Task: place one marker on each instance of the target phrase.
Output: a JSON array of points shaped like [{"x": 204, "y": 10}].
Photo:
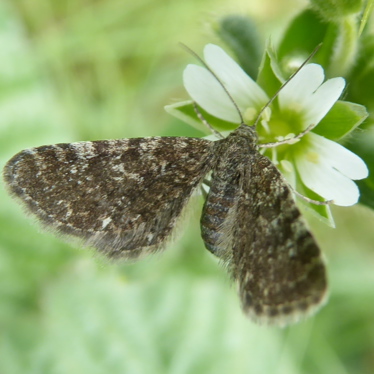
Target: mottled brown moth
[{"x": 125, "y": 196}]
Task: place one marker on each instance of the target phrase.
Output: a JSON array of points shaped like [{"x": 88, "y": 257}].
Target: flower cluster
[{"x": 315, "y": 162}]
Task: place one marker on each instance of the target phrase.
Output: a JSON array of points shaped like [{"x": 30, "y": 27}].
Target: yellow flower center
[
  {"x": 276, "y": 126},
  {"x": 312, "y": 157},
  {"x": 250, "y": 115}
]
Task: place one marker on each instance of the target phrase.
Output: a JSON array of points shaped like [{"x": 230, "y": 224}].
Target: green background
[{"x": 85, "y": 70}]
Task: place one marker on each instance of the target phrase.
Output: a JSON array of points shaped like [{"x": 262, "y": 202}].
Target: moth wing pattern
[
  {"x": 250, "y": 221},
  {"x": 121, "y": 196},
  {"x": 275, "y": 259}
]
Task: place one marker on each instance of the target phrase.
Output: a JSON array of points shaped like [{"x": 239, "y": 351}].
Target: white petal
[
  {"x": 327, "y": 182},
  {"x": 338, "y": 157},
  {"x": 322, "y": 100},
  {"x": 208, "y": 93},
  {"x": 246, "y": 92},
  {"x": 298, "y": 90}
]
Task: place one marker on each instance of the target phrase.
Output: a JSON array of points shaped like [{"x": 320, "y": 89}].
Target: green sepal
[
  {"x": 185, "y": 111},
  {"x": 269, "y": 76},
  {"x": 291, "y": 175},
  {"x": 342, "y": 118},
  {"x": 241, "y": 35},
  {"x": 322, "y": 212}
]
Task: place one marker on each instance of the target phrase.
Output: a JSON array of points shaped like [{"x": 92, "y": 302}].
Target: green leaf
[
  {"x": 336, "y": 9},
  {"x": 305, "y": 32},
  {"x": 339, "y": 43},
  {"x": 240, "y": 34},
  {"x": 361, "y": 80},
  {"x": 362, "y": 145},
  {"x": 342, "y": 118},
  {"x": 185, "y": 111}
]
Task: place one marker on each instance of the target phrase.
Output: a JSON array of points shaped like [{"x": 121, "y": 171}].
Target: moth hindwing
[{"x": 251, "y": 222}]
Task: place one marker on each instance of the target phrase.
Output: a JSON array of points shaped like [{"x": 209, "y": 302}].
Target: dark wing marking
[
  {"x": 121, "y": 196},
  {"x": 275, "y": 259}
]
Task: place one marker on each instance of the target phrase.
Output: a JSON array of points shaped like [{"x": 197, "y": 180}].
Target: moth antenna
[
  {"x": 205, "y": 122},
  {"x": 309, "y": 200},
  {"x": 285, "y": 83},
  {"x": 193, "y": 53}
]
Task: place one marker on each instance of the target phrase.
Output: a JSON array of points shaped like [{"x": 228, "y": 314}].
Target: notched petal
[
  {"x": 203, "y": 88},
  {"x": 299, "y": 89},
  {"x": 338, "y": 157},
  {"x": 245, "y": 91},
  {"x": 323, "y": 99},
  {"x": 327, "y": 182}
]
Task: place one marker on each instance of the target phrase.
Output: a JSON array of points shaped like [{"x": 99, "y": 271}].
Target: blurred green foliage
[{"x": 84, "y": 69}]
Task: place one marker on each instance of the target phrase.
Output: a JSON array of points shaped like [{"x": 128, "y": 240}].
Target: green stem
[
  {"x": 345, "y": 47},
  {"x": 365, "y": 16}
]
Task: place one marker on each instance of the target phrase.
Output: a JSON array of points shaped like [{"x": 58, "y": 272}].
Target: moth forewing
[{"x": 123, "y": 197}]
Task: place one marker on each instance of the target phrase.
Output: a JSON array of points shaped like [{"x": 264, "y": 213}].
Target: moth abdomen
[{"x": 218, "y": 208}]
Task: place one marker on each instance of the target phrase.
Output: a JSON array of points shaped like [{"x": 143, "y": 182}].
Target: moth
[{"x": 124, "y": 197}]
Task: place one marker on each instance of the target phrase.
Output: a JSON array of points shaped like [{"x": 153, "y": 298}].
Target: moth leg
[
  {"x": 312, "y": 201},
  {"x": 292, "y": 140},
  {"x": 206, "y": 123}
]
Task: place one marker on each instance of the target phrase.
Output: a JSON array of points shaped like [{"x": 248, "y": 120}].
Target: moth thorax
[{"x": 247, "y": 132}]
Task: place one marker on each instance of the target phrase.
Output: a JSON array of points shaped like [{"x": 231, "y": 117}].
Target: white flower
[{"x": 324, "y": 166}]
